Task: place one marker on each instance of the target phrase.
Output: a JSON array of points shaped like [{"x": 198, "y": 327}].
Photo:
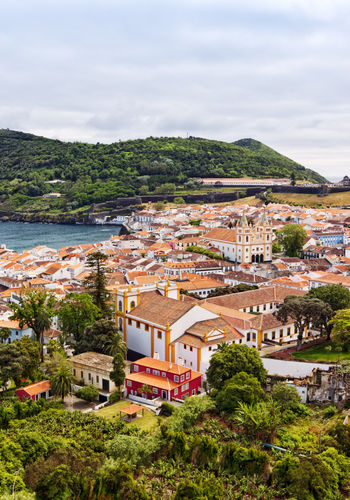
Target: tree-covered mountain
[{"x": 101, "y": 172}]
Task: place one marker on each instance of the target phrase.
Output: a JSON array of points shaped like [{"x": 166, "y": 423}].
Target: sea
[{"x": 21, "y": 236}]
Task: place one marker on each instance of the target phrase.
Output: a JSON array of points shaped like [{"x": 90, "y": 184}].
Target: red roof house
[
  {"x": 152, "y": 378},
  {"x": 35, "y": 391}
]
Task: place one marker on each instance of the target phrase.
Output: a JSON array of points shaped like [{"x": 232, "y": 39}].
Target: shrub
[
  {"x": 285, "y": 395},
  {"x": 204, "y": 450},
  {"x": 238, "y": 459},
  {"x": 88, "y": 393},
  {"x": 167, "y": 409},
  {"x": 114, "y": 397},
  {"x": 179, "y": 200}
]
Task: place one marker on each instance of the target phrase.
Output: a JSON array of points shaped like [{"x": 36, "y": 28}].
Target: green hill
[{"x": 101, "y": 172}]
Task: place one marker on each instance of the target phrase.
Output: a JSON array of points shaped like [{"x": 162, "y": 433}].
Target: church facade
[{"x": 245, "y": 243}]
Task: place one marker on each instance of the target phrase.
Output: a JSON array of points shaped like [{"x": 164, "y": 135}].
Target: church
[{"x": 245, "y": 243}]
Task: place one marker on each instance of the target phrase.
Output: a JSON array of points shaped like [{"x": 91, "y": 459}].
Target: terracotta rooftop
[{"x": 161, "y": 310}]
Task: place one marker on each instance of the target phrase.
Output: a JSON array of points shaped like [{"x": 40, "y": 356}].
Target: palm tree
[
  {"x": 62, "y": 378},
  {"x": 116, "y": 345}
]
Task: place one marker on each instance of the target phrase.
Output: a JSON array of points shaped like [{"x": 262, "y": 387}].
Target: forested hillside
[{"x": 100, "y": 172}]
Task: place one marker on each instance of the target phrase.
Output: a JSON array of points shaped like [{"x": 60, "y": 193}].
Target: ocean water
[{"x": 24, "y": 236}]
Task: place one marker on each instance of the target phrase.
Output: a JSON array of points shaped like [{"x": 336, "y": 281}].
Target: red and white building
[
  {"x": 35, "y": 391},
  {"x": 152, "y": 378}
]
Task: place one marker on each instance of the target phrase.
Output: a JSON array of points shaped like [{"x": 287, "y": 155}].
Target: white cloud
[{"x": 101, "y": 70}]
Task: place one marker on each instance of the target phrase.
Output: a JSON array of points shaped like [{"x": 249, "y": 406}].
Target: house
[
  {"x": 16, "y": 331},
  {"x": 92, "y": 368},
  {"x": 35, "y": 391},
  {"x": 152, "y": 378}
]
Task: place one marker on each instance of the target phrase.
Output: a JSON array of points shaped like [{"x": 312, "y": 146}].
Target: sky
[{"x": 107, "y": 70}]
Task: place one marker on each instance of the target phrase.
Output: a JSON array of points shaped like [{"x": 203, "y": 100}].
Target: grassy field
[
  {"x": 320, "y": 353},
  {"x": 146, "y": 423},
  {"x": 311, "y": 200}
]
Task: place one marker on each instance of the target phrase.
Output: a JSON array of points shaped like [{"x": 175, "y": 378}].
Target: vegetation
[
  {"x": 88, "y": 393},
  {"x": 96, "y": 282},
  {"x": 205, "y": 251},
  {"x": 304, "y": 311},
  {"x": 292, "y": 238},
  {"x": 98, "y": 337},
  {"x": 35, "y": 310},
  {"x": 341, "y": 329},
  {"x": 76, "y": 313},
  {"x": 312, "y": 200},
  {"x": 94, "y": 173},
  {"x": 231, "y": 359}
]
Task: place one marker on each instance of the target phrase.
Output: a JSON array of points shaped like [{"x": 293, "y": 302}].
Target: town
[{"x": 141, "y": 325}]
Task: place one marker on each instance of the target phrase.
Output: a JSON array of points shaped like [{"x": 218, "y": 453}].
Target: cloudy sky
[{"x": 104, "y": 70}]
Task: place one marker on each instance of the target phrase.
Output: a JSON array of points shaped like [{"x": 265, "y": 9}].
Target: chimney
[{"x": 156, "y": 355}]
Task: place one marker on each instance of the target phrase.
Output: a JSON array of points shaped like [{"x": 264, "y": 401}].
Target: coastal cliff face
[{"x": 42, "y": 217}]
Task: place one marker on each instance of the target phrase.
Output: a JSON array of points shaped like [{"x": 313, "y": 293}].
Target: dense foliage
[{"x": 94, "y": 173}]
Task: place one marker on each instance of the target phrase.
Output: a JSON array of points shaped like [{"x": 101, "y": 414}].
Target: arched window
[
  {"x": 120, "y": 325},
  {"x": 132, "y": 304},
  {"x": 120, "y": 306}
]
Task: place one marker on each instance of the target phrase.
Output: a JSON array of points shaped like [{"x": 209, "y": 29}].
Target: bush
[
  {"x": 238, "y": 459},
  {"x": 241, "y": 387},
  {"x": 179, "y": 200},
  {"x": 286, "y": 396},
  {"x": 88, "y": 393},
  {"x": 114, "y": 397},
  {"x": 167, "y": 409}
]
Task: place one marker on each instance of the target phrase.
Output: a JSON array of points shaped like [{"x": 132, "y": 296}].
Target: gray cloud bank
[{"x": 103, "y": 70}]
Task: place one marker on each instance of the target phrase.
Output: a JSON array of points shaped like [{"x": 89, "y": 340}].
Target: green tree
[
  {"x": 99, "y": 337},
  {"x": 61, "y": 377},
  {"x": 286, "y": 396},
  {"x": 77, "y": 312},
  {"x": 96, "y": 282},
  {"x": 36, "y": 310},
  {"x": 336, "y": 296},
  {"x": 276, "y": 247},
  {"x": 88, "y": 393},
  {"x": 304, "y": 311},
  {"x": 231, "y": 359},
  {"x": 54, "y": 346},
  {"x": 179, "y": 200},
  {"x": 292, "y": 237},
  {"x": 5, "y": 334},
  {"x": 115, "y": 480},
  {"x": 341, "y": 329},
  {"x": 12, "y": 363},
  {"x": 30, "y": 348},
  {"x": 241, "y": 387}
]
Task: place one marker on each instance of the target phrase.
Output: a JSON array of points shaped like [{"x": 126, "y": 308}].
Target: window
[
  {"x": 136, "y": 368},
  {"x": 74, "y": 372},
  {"x": 146, "y": 328},
  {"x": 288, "y": 330},
  {"x": 132, "y": 304},
  {"x": 281, "y": 333},
  {"x": 191, "y": 348},
  {"x": 129, "y": 321},
  {"x": 209, "y": 348},
  {"x": 137, "y": 324},
  {"x": 193, "y": 392},
  {"x": 156, "y": 372},
  {"x": 120, "y": 305},
  {"x": 240, "y": 341},
  {"x": 82, "y": 374},
  {"x": 89, "y": 376},
  {"x": 184, "y": 387},
  {"x": 273, "y": 336},
  {"x": 251, "y": 309},
  {"x": 128, "y": 383},
  {"x": 182, "y": 378},
  {"x": 97, "y": 378},
  {"x": 148, "y": 370},
  {"x": 163, "y": 374},
  {"x": 159, "y": 334},
  {"x": 188, "y": 374},
  {"x": 265, "y": 336},
  {"x": 175, "y": 392},
  {"x": 247, "y": 239},
  {"x": 264, "y": 307},
  {"x": 176, "y": 378},
  {"x": 248, "y": 337},
  {"x": 271, "y": 306},
  {"x": 185, "y": 346},
  {"x": 155, "y": 390},
  {"x": 254, "y": 336}
]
